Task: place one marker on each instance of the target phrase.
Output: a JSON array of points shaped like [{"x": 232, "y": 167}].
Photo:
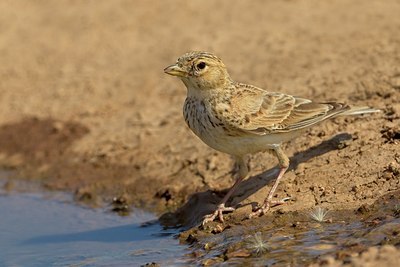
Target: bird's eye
[{"x": 201, "y": 65}]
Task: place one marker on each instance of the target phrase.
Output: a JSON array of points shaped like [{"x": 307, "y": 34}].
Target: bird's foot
[
  {"x": 217, "y": 213},
  {"x": 267, "y": 206}
]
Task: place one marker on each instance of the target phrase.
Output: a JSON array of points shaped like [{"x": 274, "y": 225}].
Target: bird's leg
[
  {"x": 284, "y": 165},
  {"x": 243, "y": 171}
]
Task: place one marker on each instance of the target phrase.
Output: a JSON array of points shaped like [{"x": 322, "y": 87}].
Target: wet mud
[{"x": 341, "y": 237}]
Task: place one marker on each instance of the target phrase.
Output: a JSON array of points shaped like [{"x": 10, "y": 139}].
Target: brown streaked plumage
[{"x": 241, "y": 119}]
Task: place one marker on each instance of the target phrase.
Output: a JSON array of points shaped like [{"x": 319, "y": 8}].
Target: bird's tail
[{"x": 359, "y": 111}]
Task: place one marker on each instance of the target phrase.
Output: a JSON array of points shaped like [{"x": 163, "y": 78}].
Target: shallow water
[
  {"x": 49, "y": 229},
  {"x": 38, "y": 230}
]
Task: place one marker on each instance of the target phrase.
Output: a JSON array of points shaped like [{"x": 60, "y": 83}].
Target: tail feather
[{"x": 358, "y": 111}]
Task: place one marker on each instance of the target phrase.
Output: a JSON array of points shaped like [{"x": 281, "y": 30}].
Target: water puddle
[
  {"x": 43, "y": 230},
  {"x": 49, "y": 229}
]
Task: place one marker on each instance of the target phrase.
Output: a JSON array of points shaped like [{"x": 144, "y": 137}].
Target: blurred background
[{"x": 85, "y": 105}]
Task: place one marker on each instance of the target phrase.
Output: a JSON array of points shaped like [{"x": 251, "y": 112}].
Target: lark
[{"x": 241, "y": 119}]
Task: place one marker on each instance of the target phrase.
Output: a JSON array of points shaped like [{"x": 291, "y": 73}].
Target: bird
[{"x": 241, "y": 119}]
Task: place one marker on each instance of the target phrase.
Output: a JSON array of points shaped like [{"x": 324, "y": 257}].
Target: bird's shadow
[{"x": 203, "y": 203}]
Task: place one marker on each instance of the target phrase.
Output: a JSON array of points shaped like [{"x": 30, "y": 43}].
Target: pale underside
[{"x": 248, "y": 119}]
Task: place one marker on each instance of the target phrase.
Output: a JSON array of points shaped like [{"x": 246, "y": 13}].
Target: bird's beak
[{"x": 175, "y": 70}]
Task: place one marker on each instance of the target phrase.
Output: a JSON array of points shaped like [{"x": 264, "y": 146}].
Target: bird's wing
[{"x": 261, "y": 112}]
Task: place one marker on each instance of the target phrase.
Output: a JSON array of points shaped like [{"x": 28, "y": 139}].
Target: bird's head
[{"x": 200, "y": 71}]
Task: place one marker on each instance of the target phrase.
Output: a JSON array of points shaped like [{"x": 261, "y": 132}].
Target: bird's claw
[
  {"x": 267, "y": 206},
  {"x": 260, "y": 211},
  {"x": 217, "y": 213}
]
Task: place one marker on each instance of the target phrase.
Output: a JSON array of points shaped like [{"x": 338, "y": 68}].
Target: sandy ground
[{"x": 85, "y": 106}]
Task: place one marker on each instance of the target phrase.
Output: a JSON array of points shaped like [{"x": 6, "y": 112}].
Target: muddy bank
[
  {"x": 85, "y": 106},
  {"x": 367, "y": 235}
]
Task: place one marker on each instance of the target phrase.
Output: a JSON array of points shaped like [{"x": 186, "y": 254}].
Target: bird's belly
[
  {"x": 242, "y": 145},
  {"x": 222, "y": 138}
]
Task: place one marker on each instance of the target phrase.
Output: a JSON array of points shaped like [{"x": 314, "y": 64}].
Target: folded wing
[{"x": 262, "y": 112}]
